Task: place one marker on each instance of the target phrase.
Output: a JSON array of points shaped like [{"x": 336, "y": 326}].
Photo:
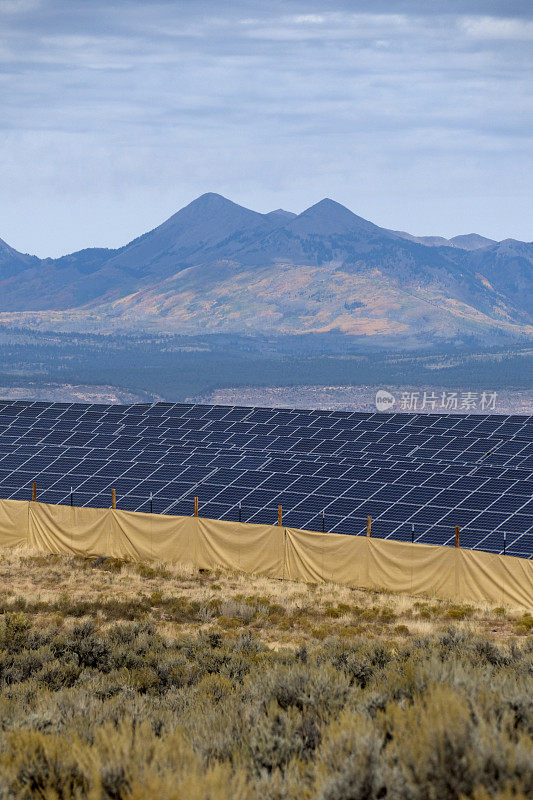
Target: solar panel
[{"x": 430, "y": 472}]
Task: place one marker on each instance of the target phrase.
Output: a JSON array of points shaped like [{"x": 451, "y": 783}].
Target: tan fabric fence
[{"x": 277, "y": 552}]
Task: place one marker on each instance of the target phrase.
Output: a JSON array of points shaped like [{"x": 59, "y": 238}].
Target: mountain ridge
[{"x": 217, "y": 265}]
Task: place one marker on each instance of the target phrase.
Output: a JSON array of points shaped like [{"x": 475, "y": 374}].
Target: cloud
[
  {"x": 18, "y": 6},
  {"x": 498, "y": 28},
  {"x": 411, "y": 114}
]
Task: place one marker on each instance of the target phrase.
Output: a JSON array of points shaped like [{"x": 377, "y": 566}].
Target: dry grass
[
  {"x": 132, "y": 682},
  {"x": 179, "y": 599}
]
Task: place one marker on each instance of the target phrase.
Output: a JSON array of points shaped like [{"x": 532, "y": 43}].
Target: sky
[{"x": 116, "y": 113}]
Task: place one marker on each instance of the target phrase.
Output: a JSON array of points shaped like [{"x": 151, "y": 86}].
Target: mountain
[
  {"x": 428, "y": 241},
  {"x": 471, "y": 241},
  {"x": 207, "y": 229},
  {"x": 280, "y": 215},
  {"x": 508, "y": 267},
  {"x": 12, "y": 262},
  {"x": 217, "y": 266},
  {"x": 210, "y": 225},
  {"x": 328, "y": 218}
]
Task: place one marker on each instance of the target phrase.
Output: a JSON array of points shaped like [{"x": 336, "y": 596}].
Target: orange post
[
  {"x": 113, "y": 498},
  {"x": 195, "y": 506},
  {"x": 369, "y": 526},
  {"x": 457, "y": 536},
  {"x": 34, "y": 492},
  {"x": 279, "y": 515}
]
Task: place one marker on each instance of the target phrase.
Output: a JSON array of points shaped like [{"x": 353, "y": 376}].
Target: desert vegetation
[{"x": 149, "y": 681}]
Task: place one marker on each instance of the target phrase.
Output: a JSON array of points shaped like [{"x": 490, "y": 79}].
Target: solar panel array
[{"x": 417, "y": 475}]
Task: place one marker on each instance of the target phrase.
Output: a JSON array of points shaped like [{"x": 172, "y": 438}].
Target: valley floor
[
  {"x": 75, "y": 393},
  {"x": 408, "y": 399}
]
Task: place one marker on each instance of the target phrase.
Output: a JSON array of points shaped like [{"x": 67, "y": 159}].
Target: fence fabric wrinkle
[{"x": 274, "y": 551}]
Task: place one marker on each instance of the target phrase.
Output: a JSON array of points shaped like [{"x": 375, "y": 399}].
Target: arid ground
[{"x": 151, "y": 681}]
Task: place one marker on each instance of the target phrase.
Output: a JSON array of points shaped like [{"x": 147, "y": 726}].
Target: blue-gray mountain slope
[{"x": 211, "y": 243}]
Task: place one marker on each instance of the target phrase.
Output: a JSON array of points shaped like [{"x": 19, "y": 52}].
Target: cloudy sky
[{"x": 115, "y": 113}]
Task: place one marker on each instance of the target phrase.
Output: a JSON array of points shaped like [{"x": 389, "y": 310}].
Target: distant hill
[
  {"x": 13, "y": 262},
  {"x": 216, "y": 266},
  {"x": 470, "y": 241}
]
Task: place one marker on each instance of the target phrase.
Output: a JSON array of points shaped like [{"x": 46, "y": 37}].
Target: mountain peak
[
  {"x": 211, "y": 197},
  {"x": 327, "y": 205},
  {"x": 189, "y": 235},
  {"x": 211, "y": 202},
  {"x": 13, "y": 261},
  {"x": 328, "y": 201},
  {"x": 280, "y": 215},
  {"x": 472, "y": 241},
  {"x": 329, "y": 217},
  {"x": 211, "y": 212}
]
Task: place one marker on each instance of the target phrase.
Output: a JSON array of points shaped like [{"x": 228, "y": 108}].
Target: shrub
[
  {"x": 348, "y": 763},
  {"x": 279, "y": 735},
  {"x": 14, "y": 632},
  {"x": 40, "y": 765},
  {"x": 525, "y": 624},
  {"x": 108, "y": 564},
  {"x": 150, "y": 571},
  {"x": 459, "y": 612},
  {"x": 124, "y": 712}
]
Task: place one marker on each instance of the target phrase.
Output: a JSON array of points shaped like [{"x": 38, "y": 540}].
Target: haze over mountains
[{"x": 215, "y": 266}]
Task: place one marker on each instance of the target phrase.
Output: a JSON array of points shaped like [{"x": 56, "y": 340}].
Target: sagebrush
[
  {"x": 129, "y": 681},
  {"x": 125, "y": 712}
]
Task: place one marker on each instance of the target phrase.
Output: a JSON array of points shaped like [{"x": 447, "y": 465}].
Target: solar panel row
[{"x": 417, "y": 475}]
